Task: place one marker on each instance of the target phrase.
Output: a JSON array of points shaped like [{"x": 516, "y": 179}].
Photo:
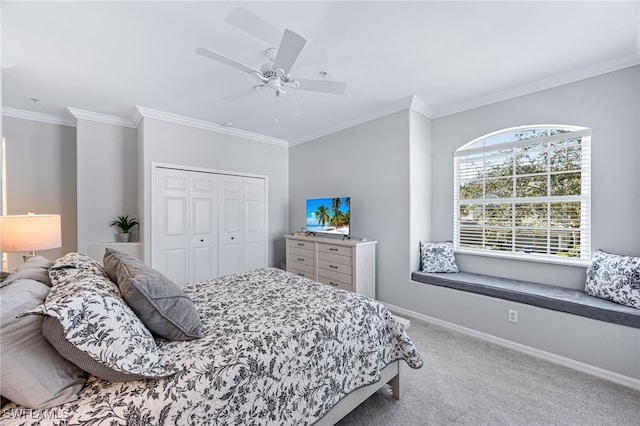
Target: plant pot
[{"x": 125, "y": 237}]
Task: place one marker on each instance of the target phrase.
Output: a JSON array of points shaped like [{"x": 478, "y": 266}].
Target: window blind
[{"x": 525, "y": 191}]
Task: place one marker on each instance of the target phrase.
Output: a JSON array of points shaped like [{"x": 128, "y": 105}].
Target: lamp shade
[{"x": 29, "y": 232}]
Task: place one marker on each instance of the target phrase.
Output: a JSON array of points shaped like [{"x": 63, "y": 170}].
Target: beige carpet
[{"x": 466, "y": 381}]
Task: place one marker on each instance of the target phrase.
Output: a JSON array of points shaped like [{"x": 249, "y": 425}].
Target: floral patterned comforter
[{"x": 279, "y": 349}]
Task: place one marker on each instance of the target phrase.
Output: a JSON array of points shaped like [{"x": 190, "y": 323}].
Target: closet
[{"x": 207, "y": 224}]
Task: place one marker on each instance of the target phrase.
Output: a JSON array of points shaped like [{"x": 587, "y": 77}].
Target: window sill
[{"x": 527, "y": 257}]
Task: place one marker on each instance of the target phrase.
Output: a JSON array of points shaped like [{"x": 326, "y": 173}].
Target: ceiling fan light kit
[{"x": 275, "y": 73}]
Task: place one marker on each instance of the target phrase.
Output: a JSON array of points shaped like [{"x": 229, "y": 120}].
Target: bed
[{"x": 277, "y": 349}]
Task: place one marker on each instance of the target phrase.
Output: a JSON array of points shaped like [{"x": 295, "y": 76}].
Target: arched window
[{"x": 524, "y": 192}]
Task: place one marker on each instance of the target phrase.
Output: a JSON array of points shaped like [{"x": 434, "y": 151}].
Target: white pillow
[
  {"x": 33, "y": 373},
  {"x": 614, "y": 277},
  {"x": 437, "y": 257}
]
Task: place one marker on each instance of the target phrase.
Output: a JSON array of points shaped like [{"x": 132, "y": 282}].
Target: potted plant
[{"x": 125, "y": 224}]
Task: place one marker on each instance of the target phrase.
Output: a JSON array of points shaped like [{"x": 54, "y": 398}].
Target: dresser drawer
[
  {"x": 302, "y": 274},
  {"x": 334, "y": 266},
  {"x": 302, "y": 267},
  {"x": 335, "y": 276},
  {"x": 306, "y": 257},
  {"x": 309, "y": 245},
  {"x": 335, "y": 258},
  {"x": 329, "y": 248},
  {"x": 335, "y": 283}
]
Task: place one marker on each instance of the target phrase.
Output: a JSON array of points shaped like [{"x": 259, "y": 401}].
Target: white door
[
  {"x": 170, "y": 224},
  {"x": 231, "y": 225},
  {"x": 204, "y": 226},
  {"x": 255, "y": 224}
]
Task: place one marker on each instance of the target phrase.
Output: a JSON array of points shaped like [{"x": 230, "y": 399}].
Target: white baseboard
[{"x": 548, "y": 356}]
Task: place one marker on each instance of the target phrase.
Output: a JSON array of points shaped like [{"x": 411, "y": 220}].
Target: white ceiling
[{"x": 109, "y": 57}]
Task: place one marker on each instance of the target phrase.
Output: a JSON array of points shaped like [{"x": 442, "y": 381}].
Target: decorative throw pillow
[
  {"x": 162, "y": 306},
  {"x": 33, "y": 373},
  {"x": 437, "y": 257},
  {"x": 34, "y": 268},
  {"x": 614, "y": 277},
  {"x": 91, "y": 325},
  {"x": 73, "y": 265}
]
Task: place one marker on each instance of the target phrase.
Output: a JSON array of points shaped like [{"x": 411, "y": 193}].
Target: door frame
[{"x": 148, "y": 243}]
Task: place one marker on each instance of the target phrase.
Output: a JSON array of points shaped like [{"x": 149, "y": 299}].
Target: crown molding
[
  {"x": 410, "y": 102},
  {"x": 38, "y": 116},
  {"x": 540, "y": 85},
  {"x": 143, "y": 112},
  {"x": 101, "y": 118},
  {"x": 418, "y": 105}
]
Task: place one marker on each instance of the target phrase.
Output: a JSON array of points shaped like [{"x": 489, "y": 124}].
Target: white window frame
[{"x": 483, "y": 147}]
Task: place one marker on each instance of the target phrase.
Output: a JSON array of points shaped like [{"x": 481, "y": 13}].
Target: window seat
[{"x": 542, "y": 295}]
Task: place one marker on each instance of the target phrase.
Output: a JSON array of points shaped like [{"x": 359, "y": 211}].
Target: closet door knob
[
  {"x": 202, "y": 241},
  {"x": 232, "y": 238}
]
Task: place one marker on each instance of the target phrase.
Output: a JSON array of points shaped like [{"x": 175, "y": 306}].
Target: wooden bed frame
[{"x": 391, "y": 374}]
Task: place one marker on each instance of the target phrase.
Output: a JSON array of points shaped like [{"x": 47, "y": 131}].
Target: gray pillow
[
  {"x": 162, "y": 306},
  {"x": 33, "y": 373},
  {"x": 34, "y": 268}
]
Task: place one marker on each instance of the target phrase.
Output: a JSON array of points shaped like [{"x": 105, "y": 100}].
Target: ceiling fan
[{"x": 274, "y": 74}]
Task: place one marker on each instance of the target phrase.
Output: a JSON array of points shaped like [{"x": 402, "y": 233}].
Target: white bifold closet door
[
  {"x": 207, "y": 225},
  {"x": 242, "y": 224}
]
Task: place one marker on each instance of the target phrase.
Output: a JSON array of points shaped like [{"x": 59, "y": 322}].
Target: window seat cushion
[{"x": 542, "y": 295}]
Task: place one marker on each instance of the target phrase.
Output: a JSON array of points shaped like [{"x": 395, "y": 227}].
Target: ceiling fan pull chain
[{"x": 275, "y": 110}]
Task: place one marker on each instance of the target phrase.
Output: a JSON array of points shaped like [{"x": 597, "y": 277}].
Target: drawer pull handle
[
  {"x": 333, "y": 266},
  {"x": 333, "y": 284},
  {"x": 301, "y": 244},
  {"x": 301, "y": 259},
  {"x": 301, "y": 274},
  {"x": 333, "y": 249}
]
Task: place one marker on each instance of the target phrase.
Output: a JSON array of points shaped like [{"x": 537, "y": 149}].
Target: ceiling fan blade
[
  {"x": 288, "y": 51},
  {"x": 255, "y": 26},
  {"x": 242, "y": 93},
  {"x": 224, "y": 60},
  {"x": 325, "y": 86}
]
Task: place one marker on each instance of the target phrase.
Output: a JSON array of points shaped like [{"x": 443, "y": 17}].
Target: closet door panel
[
  {"x": 175, "y": 261},
  {"x": 231, "y": 226},
  {"x": 170, "y": 219},
  {"x": 204, "y": 226},
  {"x": 255, "y": 240}
]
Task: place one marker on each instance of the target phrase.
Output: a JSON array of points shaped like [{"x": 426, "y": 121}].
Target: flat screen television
[{"x": 329, "y": 215}]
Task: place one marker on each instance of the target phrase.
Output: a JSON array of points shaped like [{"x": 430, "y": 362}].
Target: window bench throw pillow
[
  {"x": 89, "y": 323},
  {"x": 33, "y": 373},
  {"x": 162, "y": 306},
  {"x": 614, "y": 277},
  {"x": 437, "y": 257}
]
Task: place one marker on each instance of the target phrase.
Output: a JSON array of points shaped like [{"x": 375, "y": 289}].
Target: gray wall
[
  {"x": 381, "y": 163},
  {"x": 106, "y": 180},
  {"x": 41, "y": 176},
  {"x": 171, "y": 143},
  {"x": 368, "y": 163},
  {"x": 608, "y": 104}
]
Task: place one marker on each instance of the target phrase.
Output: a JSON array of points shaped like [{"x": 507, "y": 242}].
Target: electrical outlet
[{"x": 513, "y": 315}]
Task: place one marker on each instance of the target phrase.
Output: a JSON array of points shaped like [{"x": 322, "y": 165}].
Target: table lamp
[{"x": 29, "y": 232}]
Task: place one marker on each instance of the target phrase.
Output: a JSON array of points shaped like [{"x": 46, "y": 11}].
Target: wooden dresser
[{"x": 346, "y": 264}]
